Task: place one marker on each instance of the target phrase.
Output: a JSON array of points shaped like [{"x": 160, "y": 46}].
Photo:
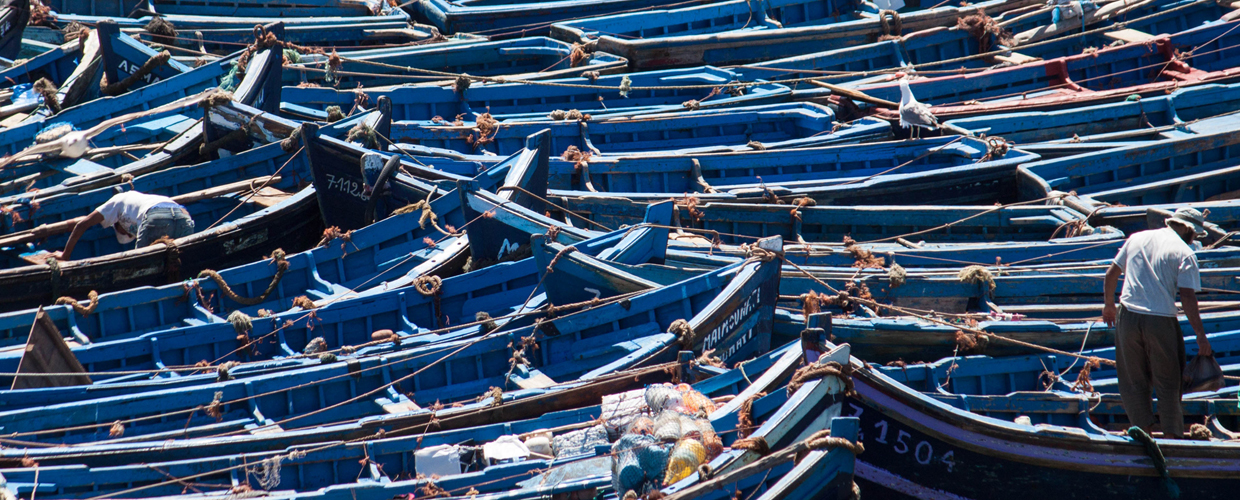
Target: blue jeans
[{"x": 164, "y": 221}]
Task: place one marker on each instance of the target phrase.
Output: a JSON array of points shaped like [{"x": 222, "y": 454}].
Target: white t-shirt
[
  {"x": 128, "y": 208},
  {"x": 1156, "y": 264}
]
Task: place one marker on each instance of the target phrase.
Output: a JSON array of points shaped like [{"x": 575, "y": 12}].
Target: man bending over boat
[
  {"x": 134, "y": 215},
  {"x": 1149, "y": 346}
]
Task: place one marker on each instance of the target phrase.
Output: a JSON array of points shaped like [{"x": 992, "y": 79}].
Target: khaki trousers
[{"x": 1149, "y": 356}]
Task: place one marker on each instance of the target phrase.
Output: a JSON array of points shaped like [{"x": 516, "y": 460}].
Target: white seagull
[
  {"x": 76, "y": 143},
  {"x": 912, "y": 113}
]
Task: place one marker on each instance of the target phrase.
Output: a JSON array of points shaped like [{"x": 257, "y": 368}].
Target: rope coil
[
  {"x": 818, "y": 371},
  {"x": 428, "y": 285},
  {"x": 428, "y": 215},
  {"x": 684, "y": 331},
  {"x": 118, "y": 88},
  {"x": 172, "y": 257},
  {"x": 554, "y": 260},
  {"x": 277, "y": 256},
  {"x": 93, "y": 297}
]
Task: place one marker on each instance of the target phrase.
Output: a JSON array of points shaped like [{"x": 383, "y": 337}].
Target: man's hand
[
  {"x": 1108, "y": 314},
  {"x": 1203, "y": 346}
]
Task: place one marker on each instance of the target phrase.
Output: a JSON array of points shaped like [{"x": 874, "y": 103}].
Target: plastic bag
[{"x": 1202, "y": 374}]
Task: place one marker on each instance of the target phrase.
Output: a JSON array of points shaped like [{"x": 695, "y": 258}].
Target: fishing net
[
  {"x": 667, "y": 426},
  {"x": 626, "y": 470},
  {"x": 653, "y": 459},
  {"x": 710, "y": 439},
  {"x": 641, "y": 425},
  {"x": 579, "y": 442},
  {"x": 684, "y": 460},
  {"x": 661, "y": 397},
  {"x": 619, "y": 410},
  {"x": 696, "y": 403}
]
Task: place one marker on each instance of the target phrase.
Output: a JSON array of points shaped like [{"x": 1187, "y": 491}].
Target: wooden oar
[
  {"x": 65, "y": 226},
  {"x": 856, "y": 95}
]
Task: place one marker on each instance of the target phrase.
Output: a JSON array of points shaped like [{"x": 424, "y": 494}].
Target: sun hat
[{"x": 1191, "y": 218}]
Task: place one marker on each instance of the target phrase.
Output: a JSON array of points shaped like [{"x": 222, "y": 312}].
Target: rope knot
[
  {"x": 977, "y": 275},
  {"x": 683, "y": 330},
  {"x": 818, "y": 371},
  {"x": 755, "y": 444},
  {"x": 428, "y": 285},
  {"x": 241, "y": 322},
  {"x": 93, "y": 298},
  {"x": 554, "y": 260},
  {"x": 822, "y": 440}
]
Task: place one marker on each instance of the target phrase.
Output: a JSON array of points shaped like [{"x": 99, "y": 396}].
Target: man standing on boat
[
  {"x": 134, "y": 215},
  {"x": 1149, "y": 345}
]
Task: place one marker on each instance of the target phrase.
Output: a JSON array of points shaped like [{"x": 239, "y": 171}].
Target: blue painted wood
[
  {"x": 224, "y": 34},
  {"x": 279, "y": 397},
  {"x": 336, "y": 471},
  {"x": 511, "y": 101},
  {"x": 380, "y": 255},
  {"x": 1119, "y": 122},
  {"x": 931, "y": 171},
  {"x": 1187, "y": 168},
  {"x": 753, "y": 45},
  {"x": 924, "y": 49},
  {"x": 957, "y": 443},
  {"x": 981, "y": 375},
  {"x": 518, "y": 18},
  {"x": 707, "y": 19},
  {"x": 1108, "y": 75},
  {"x": 13, "y": 22},
  {"x": 530, "y": 58},
  {"x": 775, "y": 126},
  {"x": 298, "y": 8},
  {"x": 66, "y": 175}
]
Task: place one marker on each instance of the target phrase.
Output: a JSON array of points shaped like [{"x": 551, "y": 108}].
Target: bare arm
[
  {"x": 1188, "y": 298},
  {"x": 78, "y": 230},
  {"x": 1108, "y": 294}
]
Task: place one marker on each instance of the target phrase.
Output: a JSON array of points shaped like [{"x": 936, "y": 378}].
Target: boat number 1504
[{"x": 900, "y": 441}]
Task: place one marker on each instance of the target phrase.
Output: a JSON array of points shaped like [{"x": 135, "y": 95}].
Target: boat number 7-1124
[{"x": 883, "y": 433}]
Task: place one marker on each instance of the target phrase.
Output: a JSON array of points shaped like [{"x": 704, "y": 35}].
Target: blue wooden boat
[
  {"x": 13, "y": 20},
  {"x": 525, "y": 58},
  {"x": 423, "y": 319},
  {"x": 385, "y": 255},
  {"x": 883, "y": 339},
  {"x": 727, "y": 295},
  {"x": 1078, "y": 80},
  {"x": 787, "y": 422},
  {"x": 1148, "y": 119},
  {"x": 510, "y": 101},
  {"x": 774, "y": 126},
  {"x": 259, "y": 88},
  {"x": 922, "y": 51},
  {"x": 1024, "y": 233},
  {"x": 752, "y": 45},
  {"x": 396, "y": 460},
  {"x": 711, "y": 18},
  {"x": 518, "y": 18},
  {"x": 797, "y": 416},
  {"x": 1189, "y": 167},
  {"x": 163, "y": 137},
  {"x": 74, "y": 70},
  {"x": 222, "y": 35},
  {"x": 990, "y": 376},
  {"x": 931, "y": 171},
  {"x": 956, "y": 443},
  {"x": 248, "y": 228},
  {"x": 300, "y": 8}
]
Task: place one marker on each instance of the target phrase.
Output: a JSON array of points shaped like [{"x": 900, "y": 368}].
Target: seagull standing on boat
[{"x": 912, "y": 113}]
